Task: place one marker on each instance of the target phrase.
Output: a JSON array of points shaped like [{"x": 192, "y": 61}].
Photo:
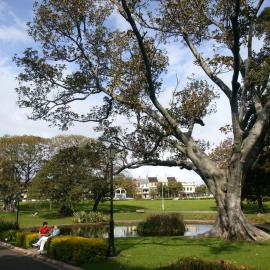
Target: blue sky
[
  {"x": 14, "y": 39},
  {"x": 14, "y": 15}
]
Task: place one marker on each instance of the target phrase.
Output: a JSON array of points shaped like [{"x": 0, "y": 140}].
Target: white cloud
[
  {"x": 14, "y": 120},
  {"x": 12, "y": 28},
  {"x": 13, "y": 34},
  {"x": 119, "y": 22}
]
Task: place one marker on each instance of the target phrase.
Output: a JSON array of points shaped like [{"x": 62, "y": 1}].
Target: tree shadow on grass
[
  {"x": 51, "y": 215},
  {"x": 121, "y": 208},
  {"x": 225, "y": 247},
  {"x": 105, "y": 207},
  {"x": 213, "y": 245},
  {"x": 113, "y": 264},
  {"x": 127, "y": 243}
]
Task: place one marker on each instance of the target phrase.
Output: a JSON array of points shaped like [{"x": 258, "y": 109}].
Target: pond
[{"x": 126, "y": 231}]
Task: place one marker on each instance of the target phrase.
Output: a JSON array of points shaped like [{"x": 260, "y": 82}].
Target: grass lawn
[
  {"x": 170, "y": 205},
  {"x": 126, "y": 210},
  {"x": 144, "y": 253},
  {"x": 152, "y": 252}
]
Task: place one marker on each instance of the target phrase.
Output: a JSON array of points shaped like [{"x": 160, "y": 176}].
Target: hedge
[
  {"x": 7, "y": 225},
  {"x": 76, "y": 249},
  {"x": 199, "y": 264},
  {"x": 25, "y": 239},
  {"x": 162, "y": 224}
]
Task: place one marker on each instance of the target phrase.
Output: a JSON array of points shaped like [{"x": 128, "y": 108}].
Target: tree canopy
[
  {"x": 71, "y": 175},
  {"x": 21, "y": 157},
  {"x": 120, "y": 72}
]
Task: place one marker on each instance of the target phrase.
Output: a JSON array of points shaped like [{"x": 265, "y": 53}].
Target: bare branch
[
  {"x": 148, "y": 74},
  {"x": 256, "y": 139},
  {"x": 182, "y": 164},
  {"x": 206, "y": 68}
]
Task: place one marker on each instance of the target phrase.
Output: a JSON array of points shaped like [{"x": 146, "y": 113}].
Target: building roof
[
  {"x": 152, "y": 179},
  {"x": 188, "y": 184},
  {"x": 171, "y": 179},
  {"x": 143, "y": 181}
]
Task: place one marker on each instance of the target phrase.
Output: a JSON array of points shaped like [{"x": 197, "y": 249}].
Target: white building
[
  {"x": 120, "y": 194},
  {"x": 145, "y": 186},
  {"x": 188, "y": 187}
]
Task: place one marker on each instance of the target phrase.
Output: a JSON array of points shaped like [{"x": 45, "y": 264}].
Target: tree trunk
[
  {"x": 231, "y": 222},
  {"x": 96, "y": 202},
  {"x": 238, "y": 228},
  {"x": 260, "y": 204},
  {"x": 9, "y": 205}
]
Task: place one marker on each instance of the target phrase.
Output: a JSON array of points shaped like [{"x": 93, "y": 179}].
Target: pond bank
[
  {"x": 119, "y": 222},
  {"x": 265, "y": 226}
]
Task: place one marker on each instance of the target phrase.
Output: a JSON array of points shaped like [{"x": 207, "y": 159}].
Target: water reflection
[
  {"x": 126, "y": 231},
  {"x": 195, "y": 229}
]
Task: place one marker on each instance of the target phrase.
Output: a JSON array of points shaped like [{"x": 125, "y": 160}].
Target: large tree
[
  {"x": 83, "y": 56},
  {"x": 201, "y": 189},
  {"x": 27, "y": 154},
  {"x": 171, "y": 189},
  {"x": 21, "y": 157},
  {"x": 72, "y": 174},
  {"x": 8, "y": 185}
]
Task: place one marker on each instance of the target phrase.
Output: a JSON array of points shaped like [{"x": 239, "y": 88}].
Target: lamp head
[{"x": 111, "y": 151}]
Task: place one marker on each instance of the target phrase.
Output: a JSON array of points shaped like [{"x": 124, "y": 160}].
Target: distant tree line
[{"x": 63, "y": 169}]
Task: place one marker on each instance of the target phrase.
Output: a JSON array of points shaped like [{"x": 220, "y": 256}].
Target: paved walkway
[{"x": 11, "y": 260}]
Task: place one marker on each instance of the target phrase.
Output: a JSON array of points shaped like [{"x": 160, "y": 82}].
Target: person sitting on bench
[
  {"x": 42, "y": 241},
  {"x": 44, "y": 230}
]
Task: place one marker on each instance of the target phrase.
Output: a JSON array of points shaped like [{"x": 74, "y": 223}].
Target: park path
[
  {"x": 11, "y": 260},
  {"x": 16, "y": 258}
]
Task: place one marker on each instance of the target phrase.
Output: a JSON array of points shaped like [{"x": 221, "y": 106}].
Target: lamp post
[
  {"x": 18, "y": 197},
  {"x": 111, "y": 248},
  {"x": 162, "y": 197}
]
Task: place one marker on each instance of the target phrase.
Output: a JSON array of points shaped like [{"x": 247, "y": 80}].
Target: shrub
[
  {"x": 91, "y": 217},
  {"x": 76, "y": 249},
  {"x": 25, "y": 239},
  {"x": 29, "y": 239},
  {"x": 198, "y": 264},
  {"x": 66, "y": 211},
  {"x": 8, "y": 236},
  {"x": 80, "y": 217},
  {"x": 94, "y": 217},
  {"x": 20, "y": 238},
  {"x": 7, "y": 225},
  {"x": 162, "y": 224}
]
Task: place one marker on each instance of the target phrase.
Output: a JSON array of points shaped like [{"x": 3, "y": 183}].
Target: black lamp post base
[{"x": 111, "y": 252}]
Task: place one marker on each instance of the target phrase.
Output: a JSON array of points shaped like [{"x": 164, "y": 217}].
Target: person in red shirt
[{"x": 44, "y": 230}]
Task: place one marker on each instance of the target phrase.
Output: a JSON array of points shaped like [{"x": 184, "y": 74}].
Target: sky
[{"x": 14, "y": 39}]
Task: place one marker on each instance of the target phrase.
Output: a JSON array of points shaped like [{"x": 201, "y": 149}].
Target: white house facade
[
  {"x": 145, "y": 186},
  {"x": 120, "y": 194},
  {"x": 188, "y": 187}
]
